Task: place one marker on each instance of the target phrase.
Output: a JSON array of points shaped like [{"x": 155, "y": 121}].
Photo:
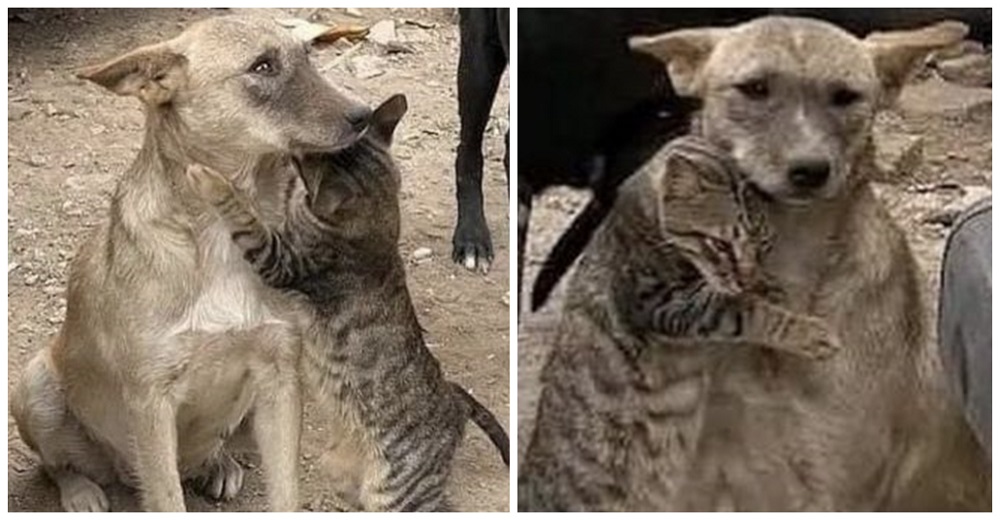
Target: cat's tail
[{"x": 487, "y": 421}]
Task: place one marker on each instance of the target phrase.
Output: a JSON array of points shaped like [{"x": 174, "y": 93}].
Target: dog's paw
[
  {"x": 208, "y": 184},
  {"x": 224, "y": 480},
  {"x": 472, "y": 246},
  {"x": 79, "y": 494}
]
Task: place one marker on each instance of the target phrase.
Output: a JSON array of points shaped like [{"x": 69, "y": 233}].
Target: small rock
[
  {"x": 367, "y": 67},
  {"x": 11, "y": 266},
  {"x": 422, "y": 253},
  {"x": 31, "y": 279},
  {"x": 506, "y": 300},
  {"x": 55, "y": 320},
  {"x": 383, "y": 32},
  {"x": 35, "y": 161},
  {"x": 98, "y": 129},
  {"x": 354, "y": 12},
  {"x": 50, "y": 109}
]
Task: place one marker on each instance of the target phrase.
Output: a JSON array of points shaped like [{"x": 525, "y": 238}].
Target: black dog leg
[{"x": 482, "y": 60}]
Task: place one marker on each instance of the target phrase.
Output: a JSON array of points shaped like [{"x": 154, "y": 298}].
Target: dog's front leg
[
  {"x": 277, "y": 427},
  {"x": 154, "y": 440},
  {"x": 277, "y": 421}
]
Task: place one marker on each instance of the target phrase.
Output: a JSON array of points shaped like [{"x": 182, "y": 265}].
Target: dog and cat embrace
[{"x": 744, "y": 331}]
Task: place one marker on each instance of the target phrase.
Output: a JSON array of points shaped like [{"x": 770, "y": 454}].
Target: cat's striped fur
[
  {"x": 668, "y": 286},
  {"x": 365, "y": 356},
  {"x": 709, "y": 219}
]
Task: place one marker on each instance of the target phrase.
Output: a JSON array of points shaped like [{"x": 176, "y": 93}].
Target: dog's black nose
[
  {"x": 359, "y": 117},
  {"x": 809, "y": 174}
]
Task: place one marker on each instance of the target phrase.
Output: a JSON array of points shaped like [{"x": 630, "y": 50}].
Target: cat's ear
[
  {"x": 325, "y": 196},
  {"x": 386, "y": 117},
  {"x": 679, "y": 178}
]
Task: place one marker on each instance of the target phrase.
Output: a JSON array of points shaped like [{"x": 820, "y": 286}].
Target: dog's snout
[
  {"x": 359, "y": 117},
  {"x": 809, "y": 174}
]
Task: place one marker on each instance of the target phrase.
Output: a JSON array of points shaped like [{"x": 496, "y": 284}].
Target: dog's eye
[
  {"x": 264, "y": 66},
  {"x": 843, "y": 97},
  {"x": 754, "y": 89}
]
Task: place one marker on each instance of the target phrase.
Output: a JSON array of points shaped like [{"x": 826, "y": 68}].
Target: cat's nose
[{"x": 809, "y": 174}]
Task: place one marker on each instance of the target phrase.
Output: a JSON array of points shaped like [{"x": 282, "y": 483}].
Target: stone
[
  {"x": 367, "y": 67},
  {"x": 383, "y": 32},
  {"x": 422, "y": 253}
]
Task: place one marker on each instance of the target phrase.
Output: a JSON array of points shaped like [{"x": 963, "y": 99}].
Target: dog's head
[
  {"x": 237, "y": 85},
  {"x": 793, "y": 99}
]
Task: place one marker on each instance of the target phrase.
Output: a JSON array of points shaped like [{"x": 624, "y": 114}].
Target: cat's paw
[
  {"x": 208, "y": 184},
  {"x": 823, "y": 345}
]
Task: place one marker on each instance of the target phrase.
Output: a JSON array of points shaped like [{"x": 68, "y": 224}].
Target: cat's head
[
  {"x": 357, "y": 185},
  {"x": 707, "y": 214}
]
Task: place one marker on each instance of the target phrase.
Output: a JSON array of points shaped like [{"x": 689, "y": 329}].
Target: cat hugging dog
[
  {"x": 644, "y": 406},
  {"x": 174, "y": 350},
  {"x": 399, "y": 419}
]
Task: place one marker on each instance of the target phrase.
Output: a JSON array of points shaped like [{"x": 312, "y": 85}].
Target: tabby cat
[
  {"x": 365, "y": 356},
  {"x": 711, "y": 220},
  {"x": 669, "y": 289}
]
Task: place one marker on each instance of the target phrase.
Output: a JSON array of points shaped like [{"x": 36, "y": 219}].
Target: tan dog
[
  {"x": 170, "y": 340},
  {"x": 793, "y": 101}
]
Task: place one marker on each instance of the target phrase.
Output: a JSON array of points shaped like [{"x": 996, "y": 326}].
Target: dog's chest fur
[{"x": 230, "y": 295}]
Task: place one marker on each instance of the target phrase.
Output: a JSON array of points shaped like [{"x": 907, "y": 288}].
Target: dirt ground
[
  {"x": 69, "y": 141},
  {"x": 938, "y": 141}
]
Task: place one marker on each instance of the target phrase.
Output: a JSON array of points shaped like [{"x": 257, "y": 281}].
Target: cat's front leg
[{"x": 782, "y": 329}]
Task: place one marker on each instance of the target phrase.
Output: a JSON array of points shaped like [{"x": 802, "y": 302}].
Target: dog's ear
[
  {"x": 386, "y": 117},
  {"x": 152, "y": 74},
  {"x": 685, "y": 53},
  {"x": 898, "y": 55}
]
